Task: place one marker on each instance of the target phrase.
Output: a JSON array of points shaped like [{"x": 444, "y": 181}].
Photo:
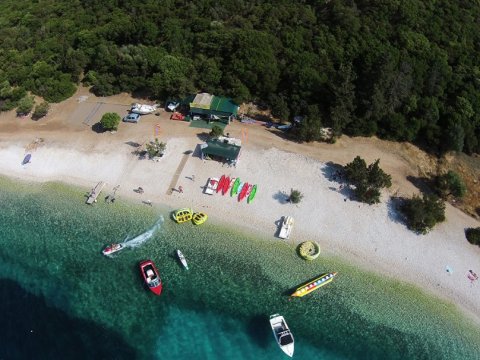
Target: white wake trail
[{"x": 142, "y": 238}]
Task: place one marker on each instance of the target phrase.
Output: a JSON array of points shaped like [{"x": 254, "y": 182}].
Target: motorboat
[
  {"x": 151, "y": 276},
  {"x": 182, "y": 215},
  {"x": 143, "y": 109},
  {"x": 212, "y": 186},
  {"x": 314, "y": 284},
  {"x": 199, "y": 218},
  {"x": 182, "y": 259},
  {"x": 112, "y": 248},
  {"x": 287, "y": 226},
  {"x": 282, "y": 334}
]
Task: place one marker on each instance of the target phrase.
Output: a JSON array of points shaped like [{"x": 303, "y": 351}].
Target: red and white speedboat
[
  {"x": 151, "y": 276},
  {"x": 113, "y": 248}
]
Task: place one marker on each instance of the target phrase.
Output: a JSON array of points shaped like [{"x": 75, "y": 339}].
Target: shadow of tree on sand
[
  {"x": 333, "y": 172},
  {"x": 424, "y": 184},
  {"x": 393, "y": 208},
  {"x": 98, "y": 128},
  {"x": 282, "y": 197}
]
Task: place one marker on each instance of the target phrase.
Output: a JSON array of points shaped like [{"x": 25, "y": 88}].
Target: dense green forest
[{"x": 401, "y": 69}]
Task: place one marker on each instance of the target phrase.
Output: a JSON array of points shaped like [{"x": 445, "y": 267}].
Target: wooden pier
[{"x": 92, "y": 196}]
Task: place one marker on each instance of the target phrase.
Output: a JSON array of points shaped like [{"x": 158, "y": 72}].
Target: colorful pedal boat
[
  {"x": 314, "y": 284},
  {"x": 183, "y": 215},
  {"x": 199, "y": 218}
]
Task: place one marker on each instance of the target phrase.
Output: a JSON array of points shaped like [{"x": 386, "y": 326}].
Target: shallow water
[{"x": 68, "y": 301}]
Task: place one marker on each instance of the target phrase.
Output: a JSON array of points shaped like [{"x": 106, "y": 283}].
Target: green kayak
[
  {"x": 252, "y": 194},
  {"x": 235, "y": 186}
]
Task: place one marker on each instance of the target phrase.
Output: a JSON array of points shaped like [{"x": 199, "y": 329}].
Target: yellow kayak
[
  {"x": 199, "y": 218},
  {"x": 183, "y": 215},
  {"x": 314, "y": 284}
]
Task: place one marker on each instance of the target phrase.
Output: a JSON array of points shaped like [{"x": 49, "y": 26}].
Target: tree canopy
[
  {"x": 110, "y": 121},
  {"x": 403, "y": 70},
  {"x": 423, "y": 213}
]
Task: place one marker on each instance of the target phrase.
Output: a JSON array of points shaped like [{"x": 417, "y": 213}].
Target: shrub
[
  {"x": 41, "y": 110},
  {"x": 473, "y": 235},
  {"x": 450, "y": 184},
  {"x": 295, "y": 196},
  {"x": 155, "y": 148},
  {"x": 423, "y": 213},
  {"x": 367, "y": 180},
  {"x": 25, "y": 105},
  {"x": 110, "y": 121},
  {"x": 216, "y": 131}
]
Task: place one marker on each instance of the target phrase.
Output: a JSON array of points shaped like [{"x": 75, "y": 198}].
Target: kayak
[
  {"x": 314, "y": 284},
  {"x": 252, "y": 194},
  {"x": 235, "y": 186},
  {"x": 243, "y": 192},
  {"x": 226, "y": 185},
  {"x": 221, "y": 183},
  {"x": 182, "y": 259}
]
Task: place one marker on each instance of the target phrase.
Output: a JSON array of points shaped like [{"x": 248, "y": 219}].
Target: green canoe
[
  {"x": 252, "y": 194},
  {"x": 235, "y": 186}
]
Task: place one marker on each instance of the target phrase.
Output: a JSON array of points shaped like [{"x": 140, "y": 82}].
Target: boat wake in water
[{"x": 142, "y": 238}]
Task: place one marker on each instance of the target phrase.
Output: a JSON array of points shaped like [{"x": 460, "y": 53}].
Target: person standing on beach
[
  {"x": 193, "y": 177},
  {"x": 180, "y": 189}
]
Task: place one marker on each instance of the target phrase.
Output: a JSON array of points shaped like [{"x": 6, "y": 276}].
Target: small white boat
[
  {"x": 143, "y": 109},
  {"x": 182, "y": 259},
  {"x": 282, "y": 334},
  {"x": 287, "y": 226},
  {"x": 212, "y": 186}
]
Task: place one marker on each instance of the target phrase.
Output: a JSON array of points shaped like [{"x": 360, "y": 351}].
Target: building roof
[
  {"x": 221, "y": 149},
  {"x": 213, "y": 105}
]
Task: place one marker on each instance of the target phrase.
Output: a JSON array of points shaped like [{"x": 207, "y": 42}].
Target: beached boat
[
  {"x": 243, "y": 192},
  {"x": 199, "y": 218},
  {"x": 143, "y": 109},
  {"x": 286, "y": 227},
  {"x": 212, "y": 185},
  {"x": 182, "y": 215},
  {"x": 113, "y": 248},
  {"x": 314, "y": 284},
  {"x": 226, "y": 185},
  {"x": 282, "y": 334},
  {"x": 252, "y": 194},
  {"x": 27, "y": 159},
  {"x": 221, "y": 183},
  {"x": 182, "y": 259},
  {"x": 235, "y": 186},
  {"x": 151, "y": 276}
]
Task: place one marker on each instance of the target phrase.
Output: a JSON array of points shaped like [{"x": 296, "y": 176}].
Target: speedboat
[
  {"x": 282, "y": 334},
  {"x": 151, "y": 276},
  {"x": 314, "y": 284},
  {"x": 143, "y": 109},
  {"x": 183, "y": 215},
  {"x": 113, "y": 248},
  {"x": 199, "y": 218},
  {"x": 182, "y": 259}
]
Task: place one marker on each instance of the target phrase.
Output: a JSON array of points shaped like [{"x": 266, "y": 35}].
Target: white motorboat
[
  {"x": 282, "y": 334},
  {"x": 143, "y": 109},
  {"x": 287, "y": 226},
  {"x": 182, "y": 259}
]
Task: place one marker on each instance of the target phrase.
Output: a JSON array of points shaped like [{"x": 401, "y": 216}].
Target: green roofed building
[
  {"x": 207, "y": 105},
  {"x": 222, "y": 148}
]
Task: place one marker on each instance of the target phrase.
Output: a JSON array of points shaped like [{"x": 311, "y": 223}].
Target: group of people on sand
[{"x": 472, "y": 276}]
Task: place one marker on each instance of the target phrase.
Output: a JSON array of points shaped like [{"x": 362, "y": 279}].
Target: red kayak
[
  {"x": 221, "y": 183},
  {"x": 226, "y": 185},
  {"x": 151, "y": 276},
  {"x": 243, "y": 193}
]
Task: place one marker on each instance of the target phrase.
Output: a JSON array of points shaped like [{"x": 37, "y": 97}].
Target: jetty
[{"x": 92, "y": 196}]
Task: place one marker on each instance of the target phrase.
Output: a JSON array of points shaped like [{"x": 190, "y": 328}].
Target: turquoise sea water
[{"x": 62, "y": 299}]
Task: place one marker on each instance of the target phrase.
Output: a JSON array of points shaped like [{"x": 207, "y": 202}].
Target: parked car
[{"x": 134, "y": 118}]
